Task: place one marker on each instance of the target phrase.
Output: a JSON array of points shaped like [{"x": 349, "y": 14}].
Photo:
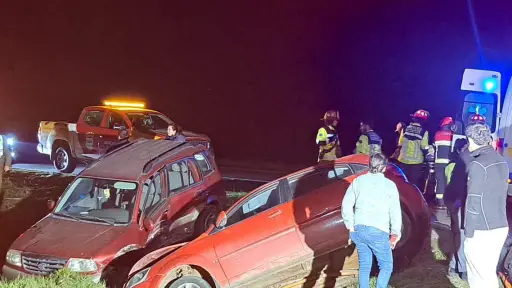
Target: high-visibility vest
[
  {"x": 443, "y": 143},
  {"x": 414, "y": 140}
]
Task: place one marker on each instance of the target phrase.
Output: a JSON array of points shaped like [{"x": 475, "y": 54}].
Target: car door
[
  {"x": 110, "y": 132},
  {"x": 181, "y": 183},
  {"x": 154, "y": 204},
  {"x": 259, "y": 235},
  {"x": 317, "y": 196},
  {"x": 89, "y": 129}
]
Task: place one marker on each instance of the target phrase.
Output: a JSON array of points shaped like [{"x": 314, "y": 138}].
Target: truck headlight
[
  {"x": 138, "y": 278},
  {"x": 82, "y": 265},
  {"x": 13, "y": 257},
  {"x": 10, "y": 141}
]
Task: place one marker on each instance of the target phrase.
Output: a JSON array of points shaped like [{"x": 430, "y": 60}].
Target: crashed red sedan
[{"x": 279, "y": 232}]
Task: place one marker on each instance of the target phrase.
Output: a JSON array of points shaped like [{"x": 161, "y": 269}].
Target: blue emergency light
[{"x": 490, "y": 84}]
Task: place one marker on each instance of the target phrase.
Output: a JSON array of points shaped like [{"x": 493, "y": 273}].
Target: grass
[{"x": 62, "y": 278}]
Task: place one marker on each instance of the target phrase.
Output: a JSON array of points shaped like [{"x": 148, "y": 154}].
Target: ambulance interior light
[{"x": 124, "y": 104}]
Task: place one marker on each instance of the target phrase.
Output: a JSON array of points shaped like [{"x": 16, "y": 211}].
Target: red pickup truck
[{"x": 97, "y": 128}]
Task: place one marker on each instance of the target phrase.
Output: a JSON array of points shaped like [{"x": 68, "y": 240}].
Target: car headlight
[
  {"x": 138, "y": 278},
  {"x": 82, "y": 265},
  {"x": 10, "y": 141},
  {"x": 13, "y": 257}
]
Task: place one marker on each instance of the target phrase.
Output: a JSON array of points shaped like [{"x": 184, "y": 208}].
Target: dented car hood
[
  {"x": 67, "y": 238},
  {"x": 154, "y": 256}
]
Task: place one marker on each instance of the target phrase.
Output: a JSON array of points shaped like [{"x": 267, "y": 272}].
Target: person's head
[
  {"x": 331, "y": 118},
  {"x": 173, "y": 129},
  {"x": 420, "y": 116},
  {"x": 446, "y": 122},
  {"x": 460, "y": 144},
  {"x": 378, "y": 163},
  {"x": 365, "y": 126},
  {"x": 479, "y": 135}
]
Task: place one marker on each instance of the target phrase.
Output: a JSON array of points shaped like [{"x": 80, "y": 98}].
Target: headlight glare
[
  {"x": 82, "y": 265},
  {"x": 138, "y": 278},
  {"x": 13, "y": 257},
  {"x": 10, "y": 141}
]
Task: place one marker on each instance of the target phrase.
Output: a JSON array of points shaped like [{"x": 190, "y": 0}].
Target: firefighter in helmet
[
  {"x": 327, "y": 137},
  {"x": 443, "y": 143},
  {"x": 414, "y": 144},
  {"x": 369, "y": 142},
  {"x": 477, "y": 118}
]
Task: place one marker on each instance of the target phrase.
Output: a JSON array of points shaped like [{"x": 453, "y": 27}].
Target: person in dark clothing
[
  {"x": 443, "y": 142},
  {"x": 485, "y": 216},
  {"x": 174, "y": 133},
  {"x": 455, "y": 196}
]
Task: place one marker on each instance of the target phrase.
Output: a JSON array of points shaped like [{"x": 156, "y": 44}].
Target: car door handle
[{"x": 274, "y": 214}]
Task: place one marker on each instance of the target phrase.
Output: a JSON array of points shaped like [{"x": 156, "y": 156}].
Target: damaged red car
[
  {"x": 123, "y": 202},
  {"x": 288, "y": 229}
]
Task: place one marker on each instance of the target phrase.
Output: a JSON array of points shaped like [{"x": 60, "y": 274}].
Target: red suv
[
  {"x": 122, "y": 203},
  {"x": 279, "y": 231}
]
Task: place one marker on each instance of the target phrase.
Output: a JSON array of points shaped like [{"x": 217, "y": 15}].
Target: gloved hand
[{"x": 393, "y": 239}]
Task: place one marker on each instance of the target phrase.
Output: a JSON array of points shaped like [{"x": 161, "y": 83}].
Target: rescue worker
[
  {"x": 413, "y": 145},
  {"x": 443, "y": 143},
  {"x": 327, "y": 137},
  {"x": 369, "y": 142},
  {"x": 5, "y": 160}
]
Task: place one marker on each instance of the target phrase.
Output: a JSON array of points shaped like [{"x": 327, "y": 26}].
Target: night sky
[{"x": 256, "y": 76}]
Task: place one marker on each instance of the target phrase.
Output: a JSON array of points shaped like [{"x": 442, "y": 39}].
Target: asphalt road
[{"x": 29, "y": 159}]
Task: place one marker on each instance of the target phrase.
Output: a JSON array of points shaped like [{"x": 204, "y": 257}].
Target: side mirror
[
  {"x": 50, "y": 204},
  {"x": 148, "y": 224},
  {"x": 221, "y": 220},
  {"x": 118, "y": 126}
]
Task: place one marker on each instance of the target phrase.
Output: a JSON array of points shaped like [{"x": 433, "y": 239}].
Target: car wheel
[
  {"x": 206, "y": 218},
  {"x": 190, "y": 282},
  {"x": 63, "y": 160},
  {"x": 411, "y": 241}
]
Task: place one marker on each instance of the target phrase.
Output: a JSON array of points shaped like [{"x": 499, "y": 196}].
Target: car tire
[
  {"x": 63, "y": 160},
  {"x": 206, "y": 217},
  {"x": 189, "y": 281},
  {"x": 413, "y": 237}
]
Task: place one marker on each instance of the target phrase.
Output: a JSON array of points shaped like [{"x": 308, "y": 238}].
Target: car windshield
[
  {"x": 151, "y": 121},
  {"x": 100, "y": 200}
]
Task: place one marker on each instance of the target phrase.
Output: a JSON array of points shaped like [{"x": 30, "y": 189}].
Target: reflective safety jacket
[
  {"x": 327, "y": 141},
  {"x": 413, "y": 142},
  {"x": 443, "y": 142},
  {"x": 369, "y": 143}
]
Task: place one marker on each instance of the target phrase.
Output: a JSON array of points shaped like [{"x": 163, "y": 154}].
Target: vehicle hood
[
  {"x": 195, "y": 135},
  {"x": 154, "y": 256},
  {"x": 67, "y": 238}
]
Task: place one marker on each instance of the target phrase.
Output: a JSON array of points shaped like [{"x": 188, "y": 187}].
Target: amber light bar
[{"x": 124, "y": 104}]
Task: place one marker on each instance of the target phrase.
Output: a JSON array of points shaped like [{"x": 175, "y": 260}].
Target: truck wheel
[
  {"x": 206, "y": 218},
  {"x": 63, "y": 160}
]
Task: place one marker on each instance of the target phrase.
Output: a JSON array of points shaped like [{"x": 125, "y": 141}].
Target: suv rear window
[{"x": 203, "y": 164}]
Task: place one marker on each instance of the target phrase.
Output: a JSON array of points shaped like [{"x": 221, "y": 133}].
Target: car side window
[
  {"x": 204, "y": 165},
  {"x": 152, "y": 193},
  {"x": 260, "y": 202},
  {"x": 358, "y": 168},
  {"x": 318, "y": 179},
  {"x": 94, "y": 117},
  {"x": 115, "y": 119},
  {"x": 180, "y": 176}
]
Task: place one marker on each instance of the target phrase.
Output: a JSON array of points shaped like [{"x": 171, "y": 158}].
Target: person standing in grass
[
  {"x": 485, "y": 225},
  {"x": 371, "y": 212}
]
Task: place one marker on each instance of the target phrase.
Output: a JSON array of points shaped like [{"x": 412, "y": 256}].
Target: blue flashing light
[{"x": 490, "y": 85}]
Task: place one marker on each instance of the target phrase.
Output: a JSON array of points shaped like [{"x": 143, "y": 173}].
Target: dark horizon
[{"x": 255, "y": 76}]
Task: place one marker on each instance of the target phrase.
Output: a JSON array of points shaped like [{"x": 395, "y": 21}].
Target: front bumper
[{"x": 10, "y": 273}]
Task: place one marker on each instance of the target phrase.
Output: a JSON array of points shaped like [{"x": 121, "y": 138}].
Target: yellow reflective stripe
[{"x": 442, "y": 161}]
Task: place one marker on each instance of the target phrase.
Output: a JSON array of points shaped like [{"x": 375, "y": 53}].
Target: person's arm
[
  {"x": 347, "y": 206},
  {"x": 362, "y": 145},
  {"x": 401, "y": 138},
  {"x": 476, "y": 177},
  {"x": 321, "y": 137},
  {"x": 395, "y": 213},
  {"x": 7, "y": 154},
  {"x": 424, "y": 141}
]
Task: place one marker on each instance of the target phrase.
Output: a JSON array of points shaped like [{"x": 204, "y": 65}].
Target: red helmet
[
  {"x": 421, "y": 114},
  {"x": 446, "y": 121},
  {"x": 477, "y": 118},
  {"x": 331, "y": 115}
]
